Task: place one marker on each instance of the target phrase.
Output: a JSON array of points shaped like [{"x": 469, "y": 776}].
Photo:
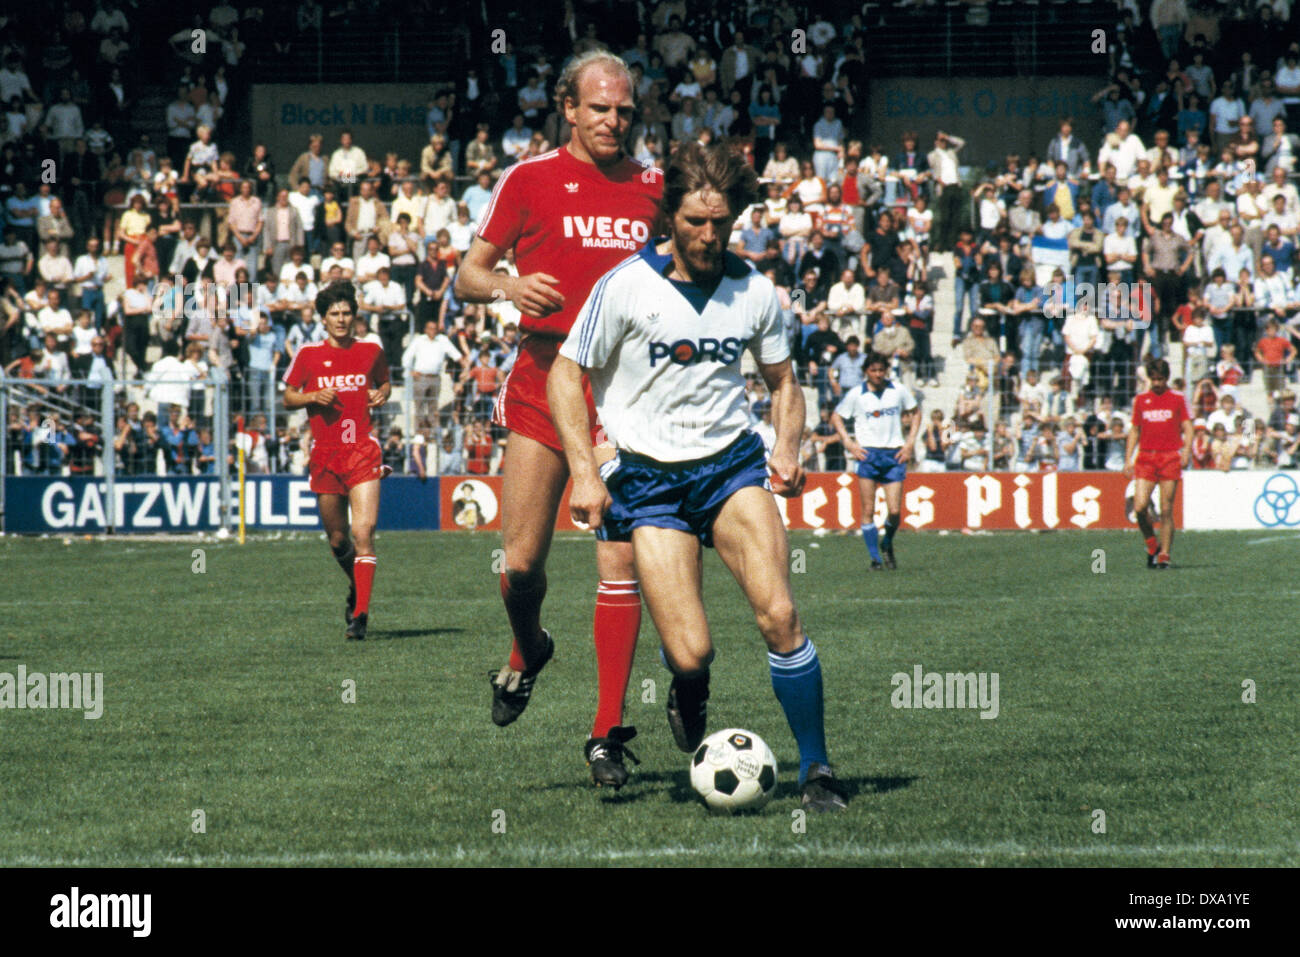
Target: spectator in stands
[
  {"x": 432, "y": 280},
  {"x": 281, "y": 232},
  {"x": 385, "y": 302},
  {"x": 893, "y": 340},
  {"x": 1027, "y": 307},
  {"x": 944, "y": 171},
  {"x": 55, "y": 268},
  {"x": 201, "y": 161},
  {"x": 347, "y": 166},
  {"x": 145, "y": 259},
  {"x": 55, "y": 225},
  {"x": 199, "y": 260},
  {"x": 795, "y": 228},
  {"x": 311, "y": 165},
  {"x": 846, "y": 301},
  {"x": 980, "y": 351},
  {"x": 1274, "y": 352},
  {"x": 439, "y": 211},
  {"x": 307, "y": 204},
  {"x": 461, "y": 230},
  {"x": 436, "y": 162},
  {"x": 246, "y": 225},
  {"x": 367, "y": 218}
]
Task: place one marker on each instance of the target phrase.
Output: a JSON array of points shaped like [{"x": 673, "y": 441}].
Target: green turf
[{"x": 223, "y": 692}]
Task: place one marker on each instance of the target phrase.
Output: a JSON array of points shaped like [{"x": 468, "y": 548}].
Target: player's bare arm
[
  {"x": 589, "y": 498},
  {"x": 913, "y": 428},
  {"x": 1189, "y": 436},
  {"x": 788, "y": 415},
  {"x": 1130, "y": 446},
  {"x": 295, "y": 398},
  {"x": 850, "y": 446},
  {"x": 533, "y": 295}
]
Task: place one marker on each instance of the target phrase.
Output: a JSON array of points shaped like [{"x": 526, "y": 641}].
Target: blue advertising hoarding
[{"x": 147, "y": 503}]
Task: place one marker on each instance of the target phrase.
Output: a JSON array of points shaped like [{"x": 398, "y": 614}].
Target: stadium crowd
[{"x": 1176, "y": 204}]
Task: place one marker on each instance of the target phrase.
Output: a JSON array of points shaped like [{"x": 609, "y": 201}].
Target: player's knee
[
  {"x": 339, "y": 541},
  {"x": 615, "y": 561},
  {"x": 364, "y": 536},
  {"x": 778, "y": 621},
  {"x": 688, "y": 661},
  {"x": 526, "y": 578}
]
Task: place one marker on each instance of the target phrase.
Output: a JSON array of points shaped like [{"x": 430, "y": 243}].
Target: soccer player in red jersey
[
  {"x": 340, "y": 380},
  {"x": 1162, "y": 435},
  {"x": 570, "y": 215}
]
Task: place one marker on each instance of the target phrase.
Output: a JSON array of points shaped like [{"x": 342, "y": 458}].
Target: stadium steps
[{"x": 952, "y": 375}]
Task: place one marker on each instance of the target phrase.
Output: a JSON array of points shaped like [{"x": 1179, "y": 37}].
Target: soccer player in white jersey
[
  {"x": 660, "y": 338},
  {"x": 878, "y": 409}
]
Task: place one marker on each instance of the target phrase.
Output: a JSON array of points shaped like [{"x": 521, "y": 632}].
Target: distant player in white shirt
[
  {"x": 661, "y": 337},
  {"x": 878, "y": 408}
]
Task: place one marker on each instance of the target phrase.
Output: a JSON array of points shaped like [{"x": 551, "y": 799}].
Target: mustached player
[
  {"x": 1162, "y": 435},
  {"x": 879, "y": 409},
  {"x": 570, "y": 215},
  {"x": 661, "y": 338},
  {"x": 339, "y": 380}
]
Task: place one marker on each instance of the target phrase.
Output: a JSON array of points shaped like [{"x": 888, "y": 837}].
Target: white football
[{"x": 734, "y": 770}]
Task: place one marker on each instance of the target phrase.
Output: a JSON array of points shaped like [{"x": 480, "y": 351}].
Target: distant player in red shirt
[
  {"x": 570, "y": 215},
  {"x": 340, "y": 380},
  {"x": 1162, "y": 436}
]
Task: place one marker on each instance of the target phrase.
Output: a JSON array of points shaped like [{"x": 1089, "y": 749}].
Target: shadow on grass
[
  {"x": 676, "y": 785},
  {"x": 392, "y": 633},
  {"x": 855, "y": 786}
]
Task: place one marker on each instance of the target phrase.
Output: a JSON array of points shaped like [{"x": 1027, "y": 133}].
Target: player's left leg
[
  {"x": 616, "y": 625},
  {"x": 893, "y": 514},
  {"x": 334, "y": 518},
  {"x": 751, "y": 541},
  {"x": 869, "y": 529},
  {"x": 1142, "y": 489},
  {"x": 668, "y": 563},
  {"x": 1168, "y": 489},
  {"x": 364, "y": 499},
  {"x": 614, "y": 630}
]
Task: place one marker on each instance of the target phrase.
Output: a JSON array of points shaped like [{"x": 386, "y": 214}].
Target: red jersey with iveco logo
[
  {"x": 351, "y": 371},
  {"x": 571, "y": 220},
  {"x": 1160, "y": 418}
]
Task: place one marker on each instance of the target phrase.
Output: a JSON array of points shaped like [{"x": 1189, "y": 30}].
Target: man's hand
[
  {"x": 325, "y": 397},
  {"x": 535, "y": 295},
  {"x": 1128, "y": 467},
  {"x": 588, "y": 502},
  {"x": 904, "y": 454},
  {"x": 1185, "y": 457},
  {"x": 855, "y": 450},
  {"x": 787, "y": 476},
  {"x": 375, "y": 398}
]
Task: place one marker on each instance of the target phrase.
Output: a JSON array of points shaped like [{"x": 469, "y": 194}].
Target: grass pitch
[{"x": 224, "y": 692}]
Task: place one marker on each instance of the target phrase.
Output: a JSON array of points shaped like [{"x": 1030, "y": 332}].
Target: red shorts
[
  {"x": 1163, "y": 466},
  {"x": 521, "y": 404},
  {"x": 335, "y": 471}
]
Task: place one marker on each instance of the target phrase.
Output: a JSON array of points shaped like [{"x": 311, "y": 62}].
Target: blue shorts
[
  {"x": 881, "y": 466},
  {"x": 683, "y": 495}
]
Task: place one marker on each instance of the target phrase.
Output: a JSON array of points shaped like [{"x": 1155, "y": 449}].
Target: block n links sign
[{"x": 995, "y": 115}]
